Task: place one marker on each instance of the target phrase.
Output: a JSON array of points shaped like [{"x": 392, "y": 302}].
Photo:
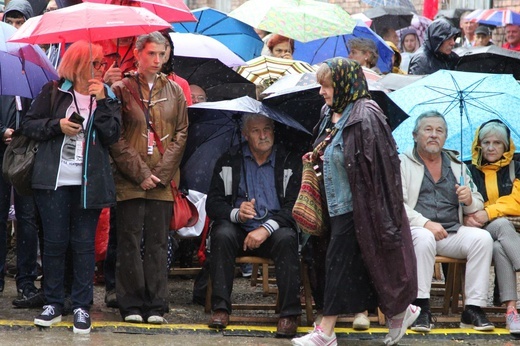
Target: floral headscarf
[{"x": 348, "y": 81}]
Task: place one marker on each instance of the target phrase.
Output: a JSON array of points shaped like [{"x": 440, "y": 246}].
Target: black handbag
[{"x": 18, "y": 163}]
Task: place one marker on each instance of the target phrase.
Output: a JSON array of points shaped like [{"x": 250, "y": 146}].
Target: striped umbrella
[
  {"x": 495, "y": 16},
  {"x": 265, "y": 70},
  {"x": 398, "y": 3}
]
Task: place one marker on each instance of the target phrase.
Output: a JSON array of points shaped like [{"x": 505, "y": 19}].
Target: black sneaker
[
  {"x": 81, "y": 321},
  {"x": 474, "y": 317},
  {"x": 29, "y": 297},
  {"x": 51, "y": 314},
  {"x": 423, "y": 323}
]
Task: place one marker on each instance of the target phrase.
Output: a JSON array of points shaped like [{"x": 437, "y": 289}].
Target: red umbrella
[
  {"x": 172, "y": 11},
  {"x": 88, "y": 21}
]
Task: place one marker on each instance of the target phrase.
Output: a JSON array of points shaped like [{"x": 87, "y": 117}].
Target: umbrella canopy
[
  {"x": 300, "y": 98},
  {"x": 240, "y": 37},
  {"x": 200, "y": 46},
  {"x": 317, "y": 51},
  {"x": 302, "y": 20},
  {"x": 395, "y": 81},
  {"x": 265, "y": 70},
  {"x": 172, "y": 11},
  {"x": 495, "y": 16},
  {"x": 389, "y": 17},
  {"x": 452, "y": 14},
  {"x": 466, "y": 99},
  {"x": 88, "y": 21},
  {"x": 489, "y": 59},
  {"x": 395, "y": 3},
  {"x": 218, "y": 80},
  {"x": 24, "y": 69},
  {"x": 215, "y": 128}
]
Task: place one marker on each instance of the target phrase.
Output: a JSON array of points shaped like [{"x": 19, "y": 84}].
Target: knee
[
  {"x": 423, "y": 241},
  {"x": 223, "y": 232},
  {"x": 501, "y": 227},
  {"x": 482, "y": 241},
  {"x": 286, "y": 236}
]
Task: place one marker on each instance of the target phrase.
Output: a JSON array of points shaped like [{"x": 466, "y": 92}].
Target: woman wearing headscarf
[
  {"x": 497, "y": 177},
  {"x": 370, "y": 259}
]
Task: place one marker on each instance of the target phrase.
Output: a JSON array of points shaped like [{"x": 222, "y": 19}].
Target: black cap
[{"x": 483, "y": 30}]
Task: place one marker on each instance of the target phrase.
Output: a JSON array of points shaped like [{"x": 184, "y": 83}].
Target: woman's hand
[
  {"x": 96, "y": 88},
  {"x": 69, "y": 128},
  {"x": 150, "y": 182}
]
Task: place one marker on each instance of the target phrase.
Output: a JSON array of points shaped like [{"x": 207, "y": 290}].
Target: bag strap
[{"x": 320, "y": 148}]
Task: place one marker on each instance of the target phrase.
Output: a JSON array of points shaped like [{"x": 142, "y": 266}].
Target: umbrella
[
  {"x": 466, "y": 99},
  {"x": 395, "y": 81},
  {"x": 240, "y": 37},
  {"x": 395, "y": 3},
  {"x": 315, "y": 52},
  {"x": 302, "y": 20},
  {"x": 300, "y": 98},
  {"x": 218, "y": 80},
  {"x": 495, "y": 16},
  {"x": 489, "y": 59},
  {"x": 88, "y": 21},
  {"x": 215, "y": 128},
  {"x": 200, "y": 46},
  {"x": 171, "y": 11},
  {"x": 389, "y": 17},
  {"x": 453, "y": 15},
  {"x": 20, "y": 76},
  {"x": 419, "y": 24},
  {"x": 265, "y": 70}
]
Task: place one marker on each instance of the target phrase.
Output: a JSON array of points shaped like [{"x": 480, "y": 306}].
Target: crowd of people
[{"x": 112, "y": 133}]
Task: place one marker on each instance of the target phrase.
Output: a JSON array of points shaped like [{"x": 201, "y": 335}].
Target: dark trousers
[
  {"x": 348, "y": 287},
  {"x": 66, "y": 224},
  {"x": 26, "y": 233},
  {"x": 109, "y": 265},
  {"x": 142, "y": 284},
  {"x": 227, "y": 241}
]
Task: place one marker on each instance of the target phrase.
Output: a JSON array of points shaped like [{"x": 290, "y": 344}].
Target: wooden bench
[{"x": 453, "y": 284}]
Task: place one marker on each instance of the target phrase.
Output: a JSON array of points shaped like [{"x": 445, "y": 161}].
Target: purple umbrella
[{"x": 24, "y": 68}]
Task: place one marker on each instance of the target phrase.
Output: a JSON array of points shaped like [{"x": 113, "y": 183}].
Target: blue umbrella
[
  {"x": 240, "y": 37},
  {"x": 24, "y": 69},
  {"x": 402, "y": 3},
  {"x": 466, "y": 99},
  {"x": 215, "y": 128},
  {"x": 317, "y": 51}
]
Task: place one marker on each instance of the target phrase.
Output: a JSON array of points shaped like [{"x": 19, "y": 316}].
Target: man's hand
[
  {"x": 8, "y": 134},
  {"x": 477, "y": 219},
  {"x": 113, "y": 74},
  {"x": 150, "y": 182},
  {"x": 464, "y": 194},
  {"x": 255, "y": 238},
  {"x": 247, "y": 211},
  {"x": 436, "y": 228}
]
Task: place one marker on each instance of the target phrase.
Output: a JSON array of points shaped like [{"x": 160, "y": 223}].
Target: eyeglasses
[
  {"x": 199, "y": 98},
  {"x": 98, "y": 64}
]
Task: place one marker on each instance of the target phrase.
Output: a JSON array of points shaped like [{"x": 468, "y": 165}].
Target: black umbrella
[
  {"x": 489, "y": 59},
  {"x": 218, "y": 80},
  {"x": 453, "y": 15},
  {"x": 389, "y": 17},
  {"x": 215, "y": 127}
]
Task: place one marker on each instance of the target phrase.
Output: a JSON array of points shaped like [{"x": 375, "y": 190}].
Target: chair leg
[
  {"x": 265, "y": 279},
  {"x": 254, "y": 275},
  {"x": 381, "y": 317},
  {"x": 309, "y": 313},
  {"x": 207, "y": 306}
]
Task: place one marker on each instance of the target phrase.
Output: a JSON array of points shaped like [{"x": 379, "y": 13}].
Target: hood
[
  {"x": 439, "y": 31},
  {"x": 406, "y": 32},
  {"x": 397, "y": 54},
  {"x": 476, "y": 151},
  {"x": 22, "y": 6}
]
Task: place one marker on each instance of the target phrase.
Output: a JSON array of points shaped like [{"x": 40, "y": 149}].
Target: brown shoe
[
  {"x": 287, "y": 327},
  {"x": 219, "y": 319}
]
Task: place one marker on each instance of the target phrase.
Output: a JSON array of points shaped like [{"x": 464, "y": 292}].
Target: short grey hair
[
  {"x": 495, "y": 128},
  {"x": 248, "y": 117},
  {"x": 429, "y": 114},
  {"x": 153, "y": 37},
  {"x": 365, "y": 45}
]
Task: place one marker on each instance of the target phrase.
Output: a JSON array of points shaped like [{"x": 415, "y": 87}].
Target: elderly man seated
[{"x": 250, "y": 200}]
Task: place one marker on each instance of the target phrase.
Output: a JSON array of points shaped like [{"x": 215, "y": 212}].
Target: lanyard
[
  {"x": 77, "y": 107},
  {"x": 146, "y": 109}
]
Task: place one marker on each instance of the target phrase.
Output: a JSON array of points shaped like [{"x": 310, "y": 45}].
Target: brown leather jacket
[{"x": 170, "y": 119}]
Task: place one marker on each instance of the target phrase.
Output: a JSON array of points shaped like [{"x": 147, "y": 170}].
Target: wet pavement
[{"x": 187, "y": 326}]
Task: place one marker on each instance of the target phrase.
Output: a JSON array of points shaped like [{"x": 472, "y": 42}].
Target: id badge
[
  {"x": 80, "y": 143},
  {"x": 151, "y": 142}
]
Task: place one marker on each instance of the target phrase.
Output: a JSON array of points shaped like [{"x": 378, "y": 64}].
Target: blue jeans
[
  {"x": 26, "y": 233},
  {"x": 66, "y": 224}
]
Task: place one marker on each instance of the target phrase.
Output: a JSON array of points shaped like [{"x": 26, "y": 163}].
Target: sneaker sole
[
  {"x": 409, "y": 318},
  {"x": 44, "y": 323},
  {"x": 134, "y": 319},
  {"x": 330, "y": 343},
  {"x": 481, "y": 329},
  {"x": 423, "y": 329},
  {"x": 80, "y": 331}
]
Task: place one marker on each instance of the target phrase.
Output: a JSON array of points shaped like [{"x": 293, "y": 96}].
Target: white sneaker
[
  {"x": 156, "y": 319},
  {"x": 316, "y": 338},
  {"x": 134, "y": 318},
  {"x": 399, "y": 323},
  {"x": 361, "y": 322}
]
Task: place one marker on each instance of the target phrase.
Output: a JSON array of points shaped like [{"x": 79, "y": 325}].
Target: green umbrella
[{"x": 301, "y": 20}]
